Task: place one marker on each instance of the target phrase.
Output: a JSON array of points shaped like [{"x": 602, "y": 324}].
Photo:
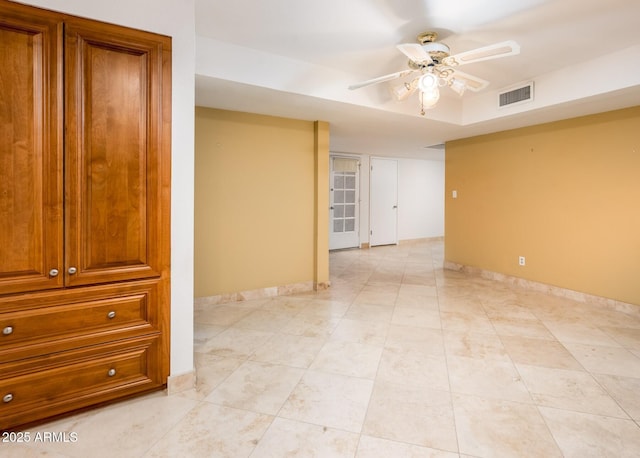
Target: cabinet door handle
[
  {"x": 111, "y": 315},
  {"x": 111, "y": 372},
  {"x": 7, "y": 398},
  {"x": 72, "y": 270},
  {"x": 8, "y": 330},
  {"x": 53, "y": 273}
]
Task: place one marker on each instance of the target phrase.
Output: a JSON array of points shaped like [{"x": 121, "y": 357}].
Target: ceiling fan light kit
[
  {"x": 429, "y": 92},
  {"x": 458, "y": 86},
  {"x": 404, "y": 90},
  {"x": 428, "y": 82},
  {"x": 428, "y": 100},
  {"x": 436, "y": 67}
]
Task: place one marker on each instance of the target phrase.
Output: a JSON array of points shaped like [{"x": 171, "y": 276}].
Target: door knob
[
  {"x": 53, "y": 273},
  {"x": 72, "y": 270}
]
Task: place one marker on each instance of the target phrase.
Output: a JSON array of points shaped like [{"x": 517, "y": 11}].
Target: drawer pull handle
[
  {"x": 53, "y": 273},
  {"x": 8, "y": 330},
  {"x": 7, "y": 398},
  {"x": 111, "y": 315},
  {"x": 111, "y": 372},
  {"x": 72, "y": 270}
]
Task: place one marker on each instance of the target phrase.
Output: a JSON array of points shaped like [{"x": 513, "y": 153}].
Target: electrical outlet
[{"x": 521, "y": 260}]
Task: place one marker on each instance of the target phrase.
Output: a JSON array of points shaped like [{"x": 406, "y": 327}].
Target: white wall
[
  {"x": 420, "y": 198},
  {"x": 175, "y": 18}
]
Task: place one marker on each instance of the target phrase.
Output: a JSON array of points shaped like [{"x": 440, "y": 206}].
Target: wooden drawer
[
  {"x": 67, "y": 319},
  {"x": 34, "y": 389}
]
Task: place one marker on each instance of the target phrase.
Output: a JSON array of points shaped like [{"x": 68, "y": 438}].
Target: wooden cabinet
[
  {"x": 31, "y": 156},
  {"x": 85, "y": 119}
]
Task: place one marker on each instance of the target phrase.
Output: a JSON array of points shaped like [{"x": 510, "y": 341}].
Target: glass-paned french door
[{"x": 344, "y": 208}]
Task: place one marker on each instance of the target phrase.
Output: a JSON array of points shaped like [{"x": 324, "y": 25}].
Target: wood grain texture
[
  {"x": 114, "y": 114},
  {"x": 30, "y": 151},
  {"x": 47, "y": 386},
  {"x": 58, "y": 321},
  {"x": 98, "y": 211}
]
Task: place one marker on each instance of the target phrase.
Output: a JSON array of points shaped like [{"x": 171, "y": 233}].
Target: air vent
[{"x": 519, "y": 95}]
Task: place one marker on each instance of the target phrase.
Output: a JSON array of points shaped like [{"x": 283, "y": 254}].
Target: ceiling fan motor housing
[{"x": 437, "y": 51}]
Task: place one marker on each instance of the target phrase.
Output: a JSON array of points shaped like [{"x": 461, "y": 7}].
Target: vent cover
[{"x": 519, "y": 95}]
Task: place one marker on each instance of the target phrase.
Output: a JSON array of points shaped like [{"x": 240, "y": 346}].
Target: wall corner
[{"x": 321, "y": 203}]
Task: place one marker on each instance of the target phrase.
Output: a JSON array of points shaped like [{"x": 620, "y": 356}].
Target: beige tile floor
[{"x": 397, "y": 359}]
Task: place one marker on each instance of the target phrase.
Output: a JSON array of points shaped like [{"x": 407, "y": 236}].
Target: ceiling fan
[{"x": 434, "y": 66}]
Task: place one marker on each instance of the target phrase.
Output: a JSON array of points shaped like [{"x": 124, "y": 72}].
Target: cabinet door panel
[
  {"x": 30, "y": 150},
  {"x": 113, "y": 123}
]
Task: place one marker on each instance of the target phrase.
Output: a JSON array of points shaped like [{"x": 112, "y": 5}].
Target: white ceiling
[{"x": 295, "y": 58}]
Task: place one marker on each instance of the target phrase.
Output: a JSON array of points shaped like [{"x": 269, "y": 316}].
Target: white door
[
  {"x": 344, "y": 201},
  {"x": 384, "y": 202}
]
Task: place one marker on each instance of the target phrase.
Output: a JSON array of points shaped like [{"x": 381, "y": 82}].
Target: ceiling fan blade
[
  {"x": 494, "y": 51},
  {"x": 381, "y": 79},
  {"x": 415, "y": 52},
  {"x": 473, "y": 83}
]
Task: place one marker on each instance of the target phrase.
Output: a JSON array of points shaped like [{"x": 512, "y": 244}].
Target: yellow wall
[
  {"x": 255, "y": 202},
  {"x": 565, "y": 195},
  {"x": 321, "y": 236}
]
